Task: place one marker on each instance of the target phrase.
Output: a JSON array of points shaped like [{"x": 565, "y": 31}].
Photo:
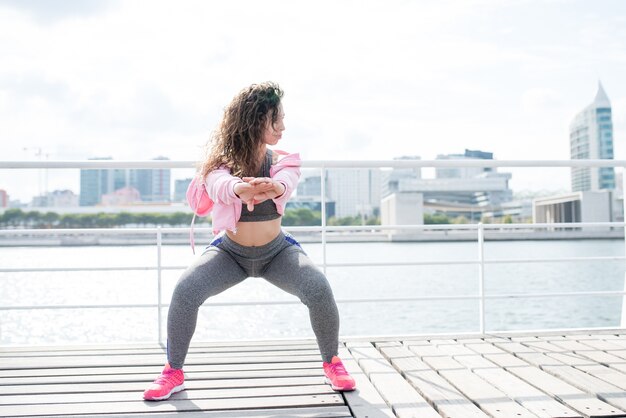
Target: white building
[
  {"x": 591, "y": 137},
  {"x": 356, "y": 191},
  {"x": 575, "y": 207},
  {"x": 56, "y": 199},
  {"x": 391, "y": 179}
]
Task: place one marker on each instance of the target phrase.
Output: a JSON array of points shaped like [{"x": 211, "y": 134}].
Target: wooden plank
[
  {"x": 149, "y": 377},
  {"x": 453, "y": 349},
  {"x": 619, "y": 353},
  {"x": 221, "y": 393},
  {"x": 606, "y": 359},
  {"x": 584, "y": 381},
  {"x": 488, "y": 398},
  {"x": 141, "y": 385},
  {"x": 515, "y": 388},
  {"x": 442, "y": 341},
  {"x": 191, "y": 368},
  {"x": 325, "y": 412},
  {"x": 571, "y": 345},
  {"x": 552, "y": 338},
  {"x": 470, "y": 340},
  {"x": 496, "y": 340},
  {"x": 515, "y": 347},
  {"x": 446, "y": 399},
  {"x": 576, "y": 399},
  {"x": 231, "y": 351},
  {"x": 607, "y": 374},
  {"x": 425, "y": 350},
  {"x": 571, "y": 359},
  {"x": 404, "y": 400},
  {"x": 544, "y": 347},
  {"x": 232, "y": 346},
  {"x": 620, "y": 341},
  {"x": 157, "y": 359},
  {"x": 484, "y": 348},
  {"x": 364, "y": 401},
  {"x": 602, "y": 345},
  {"x": 172, "y": 405}
]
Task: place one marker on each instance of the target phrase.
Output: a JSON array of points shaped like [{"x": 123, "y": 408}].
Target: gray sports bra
[{"x": 265, "y": 211}]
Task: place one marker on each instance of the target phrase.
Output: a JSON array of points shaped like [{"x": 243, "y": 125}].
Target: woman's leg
[
  {"x": 212, "y": 273},
  {"x": 294, "y": 272}
]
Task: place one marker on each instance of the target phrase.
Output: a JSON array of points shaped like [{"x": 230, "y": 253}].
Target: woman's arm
[
  {"x": 220, "y": 185},
  {"x": 286, "y": 172}
]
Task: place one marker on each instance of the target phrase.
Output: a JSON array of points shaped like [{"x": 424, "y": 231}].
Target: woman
[{"x": 249, "y": 186}]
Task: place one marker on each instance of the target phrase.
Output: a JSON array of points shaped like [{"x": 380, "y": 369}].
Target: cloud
[
  {"x": 54, "y": 11},
  {"x": 537, "y": 99}
]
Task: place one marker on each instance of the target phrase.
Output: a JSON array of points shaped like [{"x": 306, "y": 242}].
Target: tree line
[{"x": 17, "y": 218}]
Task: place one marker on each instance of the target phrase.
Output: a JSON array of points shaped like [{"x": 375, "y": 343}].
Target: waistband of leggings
[{"x": 276, "y": 242}]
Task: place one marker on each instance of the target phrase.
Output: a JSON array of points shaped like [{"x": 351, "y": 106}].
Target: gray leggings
[{"x": 225, "y": 263}]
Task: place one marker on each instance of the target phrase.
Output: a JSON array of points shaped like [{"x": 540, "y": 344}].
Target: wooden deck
[{"x": 580, "y": 374}]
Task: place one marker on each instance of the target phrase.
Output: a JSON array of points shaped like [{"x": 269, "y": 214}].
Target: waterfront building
[
  {"x": 311, "y": 186},
  {"x": 180, "y": 189},
  {"x": 467, "y": 192},
  {"x": 578, "y": 206},
  {"x": 591, "y": 137},
  {"x": 56, "y": 199},
  {"x": 96, "y": 182},
  {"x": 490, "y": 187},
  {"x": 356, "y": 191},
  {"x": 122, "y": 197},
  {"x": 153, "y": 184},
  {"x": 391, "y": 179},
  {"x": 463, "y": 172}
]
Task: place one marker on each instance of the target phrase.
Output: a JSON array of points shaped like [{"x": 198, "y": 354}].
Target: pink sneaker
[
  {"x": 169, "y": 381},
  {"x": 337, "y": 375}
]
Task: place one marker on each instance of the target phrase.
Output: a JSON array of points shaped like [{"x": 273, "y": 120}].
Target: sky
[{"x": 363, "y": 80}]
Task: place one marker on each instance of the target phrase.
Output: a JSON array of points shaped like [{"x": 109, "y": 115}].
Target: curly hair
[{"x": 239, "y": 136}]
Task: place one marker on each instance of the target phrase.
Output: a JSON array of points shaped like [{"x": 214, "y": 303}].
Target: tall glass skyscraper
[
  {"x": 152, "y": 184},
  {"x": 94, "y": 183},
  {"x": 591, "y": 137}
]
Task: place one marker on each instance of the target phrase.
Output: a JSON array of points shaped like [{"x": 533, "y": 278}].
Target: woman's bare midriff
[{"x": 255, "y": 234}]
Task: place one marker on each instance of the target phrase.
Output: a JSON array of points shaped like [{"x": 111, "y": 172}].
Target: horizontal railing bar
[
  {"x": 352, "y": 264},
  {"x": 77, "y": 269},
  {"x": 103, "y": 164},
  {"x": 464, "y": 262},
  {"x": 344, "y": 301},
  {"x": 555, "y": 260},
  {"x": 182, "y": 230}
]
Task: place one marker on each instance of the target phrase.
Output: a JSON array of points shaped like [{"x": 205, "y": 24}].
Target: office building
[
  {"x": 153, "y": 184},
  {"x": 356, "y": 191},
  {"x": 391, "y": 179},
  {"x": 96, "y": 182},
  {"x": 180, "y": 189},
  {"x": 591, "y": 137}
]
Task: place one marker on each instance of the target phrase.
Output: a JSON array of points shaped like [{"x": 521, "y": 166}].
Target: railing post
[
  {"x": 623, "y": 321},
  {"x": 481, "y": 277},
  {"x": 323, "y": 195},
  {"x": 159, "y": 322}
]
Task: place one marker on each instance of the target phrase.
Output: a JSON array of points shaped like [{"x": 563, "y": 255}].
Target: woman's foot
[
  {"x": 337, "y": 375},
  {"x": 169, "y": 381}
]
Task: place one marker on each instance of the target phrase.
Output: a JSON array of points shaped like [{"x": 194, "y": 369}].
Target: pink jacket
[{"x": 227, "y": 206}]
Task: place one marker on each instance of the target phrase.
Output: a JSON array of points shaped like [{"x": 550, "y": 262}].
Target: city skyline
[{"x": 367, "y": 80}]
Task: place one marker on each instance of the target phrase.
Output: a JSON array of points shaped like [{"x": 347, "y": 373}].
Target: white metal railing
[{"x": 479, "y": 228}]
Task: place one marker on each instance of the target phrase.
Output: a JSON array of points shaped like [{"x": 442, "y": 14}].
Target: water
[{"x": 77, "y": 326}]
